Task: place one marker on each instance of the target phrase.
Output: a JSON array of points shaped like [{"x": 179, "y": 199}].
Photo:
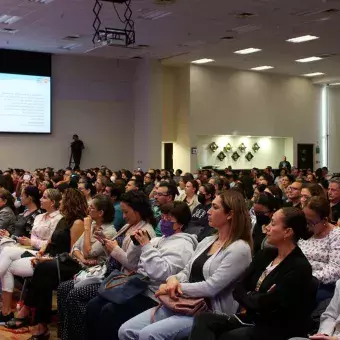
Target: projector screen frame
[{"x": 4, "y": 133}]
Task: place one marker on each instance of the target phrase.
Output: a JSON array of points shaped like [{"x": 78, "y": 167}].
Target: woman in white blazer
[
  {"x": 217, "y": 263},
  {"x": 330, "y": 320}
]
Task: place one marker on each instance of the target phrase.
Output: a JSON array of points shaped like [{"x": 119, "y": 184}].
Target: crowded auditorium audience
[{"x": 131, "y": 255}]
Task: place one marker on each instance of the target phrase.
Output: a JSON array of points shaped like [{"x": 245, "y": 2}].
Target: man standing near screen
[{"x": 77, "y": 147}]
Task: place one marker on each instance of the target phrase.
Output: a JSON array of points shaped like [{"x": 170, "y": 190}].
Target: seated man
[{"x": 330, "y": 320}]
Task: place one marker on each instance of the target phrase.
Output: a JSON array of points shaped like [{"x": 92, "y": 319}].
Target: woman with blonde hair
[{"x": 215, "y": 266}]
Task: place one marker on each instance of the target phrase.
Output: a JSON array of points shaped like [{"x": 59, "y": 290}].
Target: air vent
[
  {"x": 137, "y": 57},
  {"x": 243, "y": 15},
  {"x": 164, "y": 2},
  {"x": 327, "y": 55},
  {"x": 246, "y": 29},
  {"x": 316, "y": 11},
  {"x": 153, "y": 14},
  {"x": 69, "y": 47},
  {"x": 72, "y": 37},
  {"x": 331, "y": 11},
  {"x": 143, "y": 46},
  {"x": 9, "y": 30},
  {"x": 228, "y": 37}
]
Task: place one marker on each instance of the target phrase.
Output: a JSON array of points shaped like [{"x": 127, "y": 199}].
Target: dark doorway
[
  {"x": 168, "y": 155},
  {"x": 305, "y": 153}
]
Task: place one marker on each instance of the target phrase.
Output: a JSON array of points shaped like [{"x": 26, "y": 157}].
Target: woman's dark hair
[
  {"x": 33, "y": 192},
  {"x": 127, "y": 173},
  {"x": 74, "y": 206},
  {"x": 268, "y": 200},
  {"x": 295, "y": 219},
  {"x": 314, "y": 189},
  {"x": 103, "y": 203},
  {"x": 276, "y": 191},
  {"x": 209, "y": 189},
  {"x": 116, "y": 190},
  {"x": 179, "y": 210},
  {"x": 6, "y": 195},
  {"x": 140, "y": 203},
  {"x": 195, "y": 185},
  {"x": 320, "y": 206},
  {"x": 6, "y": 182},
  {"x": 50, "y": 174}
]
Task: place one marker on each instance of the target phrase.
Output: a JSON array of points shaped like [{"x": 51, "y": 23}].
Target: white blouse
[{"x": 324, "y": 256}]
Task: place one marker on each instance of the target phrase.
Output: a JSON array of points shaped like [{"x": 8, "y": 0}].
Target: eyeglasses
[
  {"x": 313, "y": 224},
  {"x": 160, "y": 194},
  {"x": 147, "y": 177}
]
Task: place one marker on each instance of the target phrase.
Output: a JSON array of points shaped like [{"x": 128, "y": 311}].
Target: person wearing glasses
[
  {"x": 149, "y": 182},
  {"x": 322, "y": 249},
  {"x": 334, "y": 198},
  {"x": 294, "y": 195},
  {"x": 310, "y": 190},
  {"x": 165, "y": 193}
]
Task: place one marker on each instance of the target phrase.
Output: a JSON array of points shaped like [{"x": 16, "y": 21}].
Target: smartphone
[
  {"x": 100, "y": 236},
  {"x": 27, "y": 177},
  {"x": 134, "y": 240}
]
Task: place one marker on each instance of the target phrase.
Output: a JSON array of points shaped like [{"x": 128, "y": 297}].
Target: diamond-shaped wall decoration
[
  {"x": 228, "y": 148},
  {"x": 221, "y": 156},
  {"x": 249, "y": 156},
  {"x": 242, "y": 147},
  {"x": 235, "y": 156},
  {"x": 256, "y": 147},
  {"x": 213, "y": 146}
]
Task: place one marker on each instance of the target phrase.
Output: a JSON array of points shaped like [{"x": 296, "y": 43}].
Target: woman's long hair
[
  {"x": 74, "y": 206},
  {"x": 140, "y": 203},
  {"x": 234, "y": 201},
  {"x": 6, "y": 195}
]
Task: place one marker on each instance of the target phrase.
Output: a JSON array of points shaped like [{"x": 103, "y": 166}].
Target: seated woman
[
  {"x": 30, "y": 199},
  {"x": 88, "y": 250},
  {"x": 211, "y": 273},
  {"x": 276, "y": 293},
  {"x": 310, "y": 190},
  {"x": 265, "y": 206},
  {"x": 160, "y": 258},
  {"x": 323, "y": 247},
  {"x": 72, "y": 301},
  {"x": 7, "y": 212},
  {"x": 199, "y": 223},
  {"x": 11, "y": 262},
  {"x": 329, "y": 321},
  {"x": 44, "y": 268}
]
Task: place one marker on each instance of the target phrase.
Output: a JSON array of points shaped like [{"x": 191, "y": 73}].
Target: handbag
[
  {"x": 120, "y": 288},
  {"x": 66, "y": 263},
  {"x": 89, "y": 276},
  {"x": 184, "y": 305}
]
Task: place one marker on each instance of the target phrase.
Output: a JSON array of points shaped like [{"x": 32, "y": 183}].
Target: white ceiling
[{"x": 193, "y": 30}]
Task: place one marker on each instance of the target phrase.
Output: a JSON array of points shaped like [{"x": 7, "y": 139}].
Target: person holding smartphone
[{"x": 160, "y": 258}]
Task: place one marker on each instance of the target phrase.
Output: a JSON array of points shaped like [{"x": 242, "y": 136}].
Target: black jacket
[
  {"x": 283, "y": 165},
  {"x": 285, "y": 311}
]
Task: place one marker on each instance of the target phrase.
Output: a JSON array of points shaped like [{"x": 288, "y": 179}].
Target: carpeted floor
[{"x": 24, "y": 333}]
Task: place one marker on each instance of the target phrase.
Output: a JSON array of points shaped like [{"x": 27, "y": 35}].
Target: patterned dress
[
  {"x": 72, "y": 303},
  {"x": 324, "y": 256}
]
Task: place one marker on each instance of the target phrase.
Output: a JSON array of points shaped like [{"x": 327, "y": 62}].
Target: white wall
[
  {"x": 227, "y": 102},
  {"x": 270, "y": 152},
  {"x": 334, "y": 128},
  {"x": 148, "y": 101},
  {"x": 91, "y": 97}
]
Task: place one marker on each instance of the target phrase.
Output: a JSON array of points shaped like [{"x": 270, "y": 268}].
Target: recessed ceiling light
[
  {"x": 334, "y": 84},
  {"x": 314, "y": 74},
  {"x": 308, "y": 60},
  {"x": 9, "y": 19},
  {"x": 302, "y": 39},
  {"x": 202, "y": 61},
  {"x": 248, "y": 50},
  {"x": 261, "y": 68}
]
